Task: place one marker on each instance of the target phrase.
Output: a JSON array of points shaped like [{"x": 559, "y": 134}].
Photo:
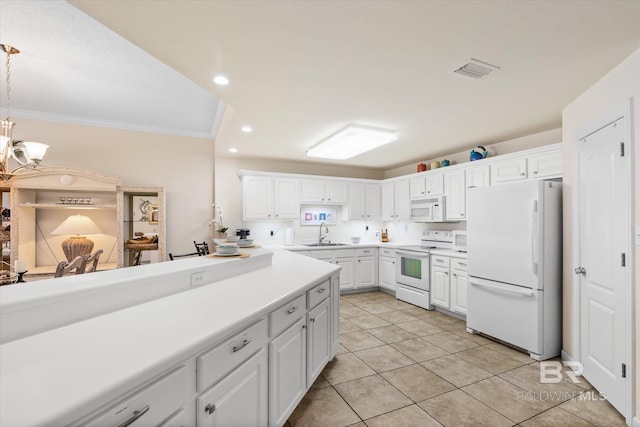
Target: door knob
[{"x": 580, "y": 270}]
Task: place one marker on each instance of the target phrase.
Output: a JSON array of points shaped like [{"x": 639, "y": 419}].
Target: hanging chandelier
[{"x": 26, "y": 154}]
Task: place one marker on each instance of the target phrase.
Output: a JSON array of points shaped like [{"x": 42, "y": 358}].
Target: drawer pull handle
[
  {"x": 136, "y": 415},
  {"x": 292, "y": 310},
  {"x": 241, "y": 346},
  {"x": 312, "y": 319},
  {"x": 210, "y": 408},
  {"x": 463, "y": 264},
  {"x": 321, "y": 290}
]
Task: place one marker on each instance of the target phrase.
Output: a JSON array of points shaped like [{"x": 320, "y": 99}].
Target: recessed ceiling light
[
  {"x": 221, "y": 80},
  {"x": 246, "y": 129},
  {"x": 351, "y": 141},
  {"x": 233, "y": 150}
]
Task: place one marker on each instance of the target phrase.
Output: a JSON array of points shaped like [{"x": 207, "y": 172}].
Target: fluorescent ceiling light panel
[{"x": 351, "y": 141}]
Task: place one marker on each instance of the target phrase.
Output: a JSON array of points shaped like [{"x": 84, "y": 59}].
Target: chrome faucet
[{"x": 320, "y": 236}]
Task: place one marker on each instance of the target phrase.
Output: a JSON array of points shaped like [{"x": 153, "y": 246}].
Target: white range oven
[{"x": 413, "y": 267}]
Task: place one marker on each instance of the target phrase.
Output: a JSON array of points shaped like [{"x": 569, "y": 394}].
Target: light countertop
[{"x": 52, "y": 378}]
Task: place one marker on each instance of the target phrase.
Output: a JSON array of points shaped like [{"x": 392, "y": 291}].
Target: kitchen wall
[
  {"x": 611, "y": 92},
  {"x": 540, "y": 139},
  {"x": 184, "y": 166}
]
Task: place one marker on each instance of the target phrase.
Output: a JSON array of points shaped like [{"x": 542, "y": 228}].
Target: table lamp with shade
[{"x": 77, "y": 226}]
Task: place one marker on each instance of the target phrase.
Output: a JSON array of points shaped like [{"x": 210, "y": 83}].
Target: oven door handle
[
  {"x": 507, "y": 289},
  {"x": 412, "y": 254}
]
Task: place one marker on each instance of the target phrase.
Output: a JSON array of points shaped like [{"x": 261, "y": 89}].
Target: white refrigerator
[{"x": 515, "y": 265}]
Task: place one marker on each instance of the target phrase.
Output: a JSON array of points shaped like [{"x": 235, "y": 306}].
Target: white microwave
[
  {"x": 460, "y": 241},
  {"x": 428, "y": 210}
]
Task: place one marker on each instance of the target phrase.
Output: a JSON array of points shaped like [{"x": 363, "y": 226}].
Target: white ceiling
[
  {"x": 73, "y": 69},
  {"x": 301, "y": 70}
]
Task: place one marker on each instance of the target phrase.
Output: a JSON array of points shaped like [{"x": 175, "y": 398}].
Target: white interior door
[{"x": 602, "y": 214}]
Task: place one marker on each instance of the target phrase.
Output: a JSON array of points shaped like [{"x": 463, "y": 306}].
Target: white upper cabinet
[
  {"x": 286, "y": 198},
  {"x": 456, "y": 195},
  {"x": 372, "y": 205},
  {"x": 324, "y": 191},
  {"x": 266, "y": 197},
  {"x": 394, "y": 204},
  {"x": 357, "y": 201},
  {"x": 477, "y": 176},
  {"x": 509, "y": 170},
  {"x": 546, "y": 165},
  {"x": 432, "y": 184}
]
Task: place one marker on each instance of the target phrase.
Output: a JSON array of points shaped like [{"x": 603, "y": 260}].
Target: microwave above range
[{"x": 431, "y": 209}]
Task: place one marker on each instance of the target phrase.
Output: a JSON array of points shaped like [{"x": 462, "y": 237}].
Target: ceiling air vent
[{"x": 475, "y": 69}]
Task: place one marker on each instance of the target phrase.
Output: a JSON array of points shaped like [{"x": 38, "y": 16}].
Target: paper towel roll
[{"x": 288, "y": 240}]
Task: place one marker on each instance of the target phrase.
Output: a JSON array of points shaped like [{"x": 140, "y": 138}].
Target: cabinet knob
[
  {"x": 521, "y": 173},
  {"x": 210, "y": 408},
  {"x": 277, "y": 215},
  {"x": 535, "y": 172}
]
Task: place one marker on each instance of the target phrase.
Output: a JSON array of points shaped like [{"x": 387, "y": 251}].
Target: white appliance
[
  {"x": 514, "y": 264},
  {"x": 428, "y": 210},
  {"x": 460, "y": 241},
  {"x": 412, "y": 267}
]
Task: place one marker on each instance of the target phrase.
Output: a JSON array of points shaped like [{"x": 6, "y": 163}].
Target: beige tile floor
[{"x": 399, "y": 365}]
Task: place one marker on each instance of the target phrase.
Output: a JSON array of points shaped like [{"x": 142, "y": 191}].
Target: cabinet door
[
  {"x": 387, "y": 273},
  {"x": 335, "y": 314},
  {"x": 372, "y": 206},
  {"x": 346, "y": 272},
  {"x": 318, "y": 340},
  {"x": 357, "y": 200},
  {"x": 257, "y": 192},
  {"x": 417, "y": 188},
  {"x": 287, "y": 372},
  {"x": 388, "y": 203},
  {"x": 403, "y": 206},
  {"x": 240, "y": 399},
  {"x": 366, "y": 272},
  {"x": 312, "y": 191},
  {"x": 509, "y": 170},
  {"x": 545, "y": 165},
  {"x": 286, "y": 198},
  {"x": 456, "y": 195},
  {"x": 440, "y": 286},
  {"x": 434, "y": 184},
  {"x": 477, "y": 176},
  {"x": 459, "y": 283},
  {"x": 336, "y": 191}
]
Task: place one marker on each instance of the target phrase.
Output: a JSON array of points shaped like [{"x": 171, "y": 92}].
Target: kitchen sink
[{"x": 325, "y": 244}]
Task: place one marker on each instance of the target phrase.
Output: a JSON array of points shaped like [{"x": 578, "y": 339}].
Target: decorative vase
[{"x": 220, "y": 235}]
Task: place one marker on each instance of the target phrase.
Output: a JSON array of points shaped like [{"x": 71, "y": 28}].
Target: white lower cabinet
[
  {"x": 387, "y": 269},
  {"x": 366, "y": 271},
  {"x": 318, "y": 340},
  {"x": 287, "y": 372},
  {"x": 449, "y": 283},
  {"x": 345, "y": 258},
  {"x": 151, "y": 405},
  {"x": 440, "y": 286},
  {"x": 239, "y": 399},
  {"x": 459, "y": 285}
]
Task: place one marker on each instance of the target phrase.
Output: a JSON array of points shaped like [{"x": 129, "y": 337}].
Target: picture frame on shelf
[{"x": 154, "y": 214}]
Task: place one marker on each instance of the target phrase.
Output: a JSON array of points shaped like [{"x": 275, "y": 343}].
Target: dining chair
[
  {"x": 77, "y": 265},
  {"x": 172, "y": 256},
  {"x": 202, "y": 248},
  {"x": 91, "y": 261}
]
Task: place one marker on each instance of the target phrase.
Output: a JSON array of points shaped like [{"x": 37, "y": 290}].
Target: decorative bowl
[
  {"x": 355, "y": 240},
  {"x": 227, "y": 249},
  {"x": 245, "y": 243}
]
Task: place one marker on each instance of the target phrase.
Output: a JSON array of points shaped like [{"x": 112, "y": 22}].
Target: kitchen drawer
[
  {"x": 215, "y": 363},
  {"x": 366, "y": 252},
  {"x": 318, "y": 293},
  {"x": 344, "y": 253},
  {"x": 150, "y": 406},
  {"x": 440, "y": 261},
  {"x": 387, "y": 252},
  {"x": 459, "y": 264},
  {"x": 287, "y": 315},
  {"x": 322, "y": 254}
]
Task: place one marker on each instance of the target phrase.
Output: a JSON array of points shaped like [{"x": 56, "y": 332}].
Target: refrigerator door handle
[
  {"x": 504, "y": 289},
  {"x": 533, "y": 232}
]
